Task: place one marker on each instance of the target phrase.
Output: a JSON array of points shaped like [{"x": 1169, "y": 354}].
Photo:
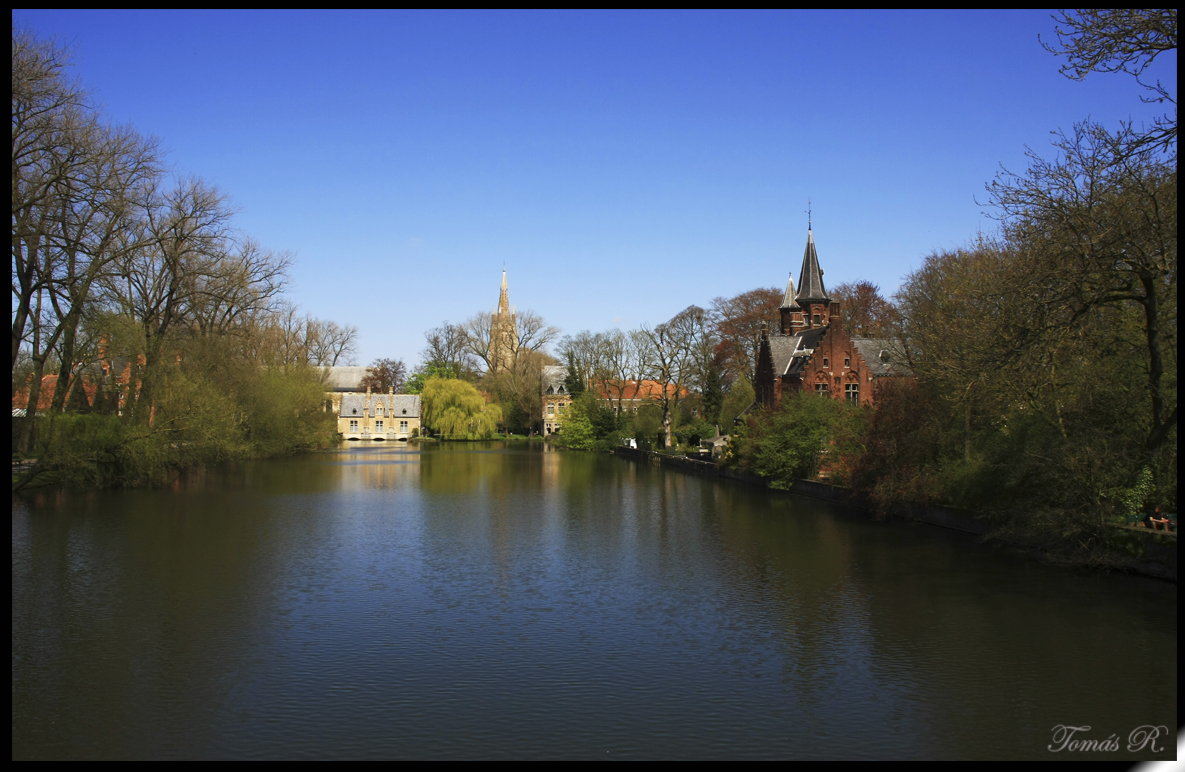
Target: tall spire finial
[{"x": 808, "y": 214}]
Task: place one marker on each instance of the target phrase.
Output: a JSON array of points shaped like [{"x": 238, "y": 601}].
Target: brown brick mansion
[{"x": 811, "y": 351}]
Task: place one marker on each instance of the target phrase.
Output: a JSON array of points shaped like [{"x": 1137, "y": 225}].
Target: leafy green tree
[
  {"x": 738, "y": 398},
  {"x": 578, "y": 431},
  {"x": 790, "y": 441},
  {"x": 431, "y": 369},
  {"x": 457, "y": 410}
]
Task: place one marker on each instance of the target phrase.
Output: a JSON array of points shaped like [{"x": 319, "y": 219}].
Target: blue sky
[{"x": 621, "y": 165}]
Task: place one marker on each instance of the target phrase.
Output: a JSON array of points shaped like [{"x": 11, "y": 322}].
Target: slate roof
[
  {"x": 788, "y": 301},
  {"x": 781, "y": 349},
  {"x": 344, "y": 378},
  {"x": 790, "y": 353},
  {"x": 395, "y": 405},
  {"x": 553, "y": 379},
  {"x": 811, "y": 276},
  {"x": 884, "y": 356}
]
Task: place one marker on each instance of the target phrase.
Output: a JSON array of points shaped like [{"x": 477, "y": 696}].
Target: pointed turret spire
[
  {"x": 788, "y": 301},
  {"x": 811, "y": 276}
]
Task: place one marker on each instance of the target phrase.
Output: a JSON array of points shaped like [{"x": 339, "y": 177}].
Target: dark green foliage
[
  {"x": 77, "y": 403},
  {"x": 713, "y": 395},
  {"x": 589, "y": 425},
  {"x": 573, "y": 381},
  {"x": 804, "y": 435},
  {"x": 692, "y": 431}
]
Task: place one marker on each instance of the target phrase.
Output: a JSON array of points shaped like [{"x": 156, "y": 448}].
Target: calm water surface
[{"x": 499, "y": 601}]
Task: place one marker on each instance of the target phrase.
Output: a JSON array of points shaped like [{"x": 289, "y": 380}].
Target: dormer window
[
  {"x": 405, "y": 411},
  {"x": 818, "y": 319},
  {"x": 561, "y": 391},
  {"x": 355, "y": 411},
  {"x": 551, "y": 389}
]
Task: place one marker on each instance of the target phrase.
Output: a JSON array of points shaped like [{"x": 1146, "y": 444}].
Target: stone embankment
[{"x": 1156, "y": 559}]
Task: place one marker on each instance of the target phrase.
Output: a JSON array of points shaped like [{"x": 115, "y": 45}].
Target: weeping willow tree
[{"x": 455, "y": 409}]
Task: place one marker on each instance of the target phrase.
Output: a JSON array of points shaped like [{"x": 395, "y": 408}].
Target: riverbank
[{"x": 1149, "y": 554}]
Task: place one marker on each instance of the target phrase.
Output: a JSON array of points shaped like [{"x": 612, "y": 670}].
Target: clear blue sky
[{"x": 621, "y": 165}]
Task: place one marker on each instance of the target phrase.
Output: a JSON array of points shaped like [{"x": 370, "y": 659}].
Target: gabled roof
[
  {"x": 884, "y": 356},
  {"x": 394, "y": 405},
  {"x": 788, "y": 302},
  {"x": 781, "y": 349},
  {"x": 553, "y": 379},
  {"x": 341, "y": 378},
  {"x": 811, "y": 276}
]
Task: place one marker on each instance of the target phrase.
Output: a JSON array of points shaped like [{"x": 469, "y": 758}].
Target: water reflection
[{"x": 497, "y": 600}]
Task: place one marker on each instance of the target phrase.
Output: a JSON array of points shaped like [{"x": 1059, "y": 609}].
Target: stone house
[
  {"x": 387, "y": 416},
  {"x": 556, "y": 398}
]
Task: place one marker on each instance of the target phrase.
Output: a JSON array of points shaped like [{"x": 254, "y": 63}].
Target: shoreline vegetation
[
  {"x": 1148, "y": 553},
  {"x": 1043, "y": 394}
]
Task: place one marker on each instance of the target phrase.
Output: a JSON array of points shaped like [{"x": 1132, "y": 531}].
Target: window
[
  {"x": 821, "y": 388},
  {"x": 825, "y": 362},
  {"x": 852, "y": 392},
  {"x": 378, "y": 426},
  {"x": 818, "y": 319},
  {"x": 551, "y": 408},
  {"x": 354, "y": 426},
  {"x": 379, "y": 411},
  {"x": 403, "y": 427},
  {"x": 562, "y": 407},
  {"x": 847, "y": 361}
]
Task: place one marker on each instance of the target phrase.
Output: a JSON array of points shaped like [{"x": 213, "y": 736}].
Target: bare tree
[
  {"x": 384, "y": 374},
  {"x": 1121, "y": 40},
  {"x": 94, "y": 214},
  {"x": 453, "y": 345},
  {"x": 184, "y": 235},
  {"x": 737, "y": 322},
  {"x": 329, "y": 343},
  {"x": 668, "y": 357},
  {"x": 533, "y": 333},
  {"x": 865, "y": 313},
  {"x": 47, "y": 109}
]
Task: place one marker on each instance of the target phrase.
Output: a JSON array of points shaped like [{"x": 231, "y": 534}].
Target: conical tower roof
[
  {"x": 811, "y": 276},
  {"x": 788, "y": 301}
]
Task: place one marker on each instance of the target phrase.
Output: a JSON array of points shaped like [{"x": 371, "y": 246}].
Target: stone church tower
[{"x": 503, "y": 332}]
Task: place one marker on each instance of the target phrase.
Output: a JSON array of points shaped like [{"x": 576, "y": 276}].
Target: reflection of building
[
  {"x": 503, "y": 332},
  {"x": 556, "y": 398},
  {"x": 812, "y": 350},
  {"x": 387, "y": 416}
]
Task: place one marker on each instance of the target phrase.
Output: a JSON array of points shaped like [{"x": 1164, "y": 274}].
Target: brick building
[{"x": 812, "y": 351}]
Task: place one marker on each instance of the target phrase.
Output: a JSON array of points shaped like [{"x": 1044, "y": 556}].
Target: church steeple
[
  {"x": 503, "y": 332},
  {"x": 504, "y": 297}
]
